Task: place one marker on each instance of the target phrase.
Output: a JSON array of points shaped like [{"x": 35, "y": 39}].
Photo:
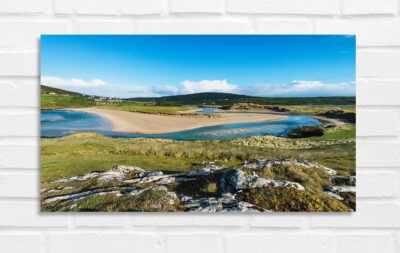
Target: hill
[
  {"x": 50, "y": 90},
  {"x": 217, "y": 98},
  {"x": 199, "y": 99},
  {"x": 53, "y": 98}
]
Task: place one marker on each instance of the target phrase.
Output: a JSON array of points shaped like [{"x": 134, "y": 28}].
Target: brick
[
  {"x": 278, "y": 242},
  {"x": 284, "y": 27},
  {"x": 369, "y": 32},
  {"x": 202, "y": 6},
  {"x": 116, "y": 7},
  {"x": 365, "y": 243},
  {"x": 182, "y": 243},
  {"x": 378, "y": 154},
  {"x": 19, "y": 93},
  {"x": 161, "y": 219},
  {"x": 377, "y": 122},
  {"x": 22, "y": 6},
  {"x": 102, "y": 242},
  {"x": 191, "y": 27},
  {"x": 27, "y": 214},
  {"x": 11, "y": 156},
  {"x": 219, "y": 221},
  {"x": 26, "y": 34},
  {"x": 19, "y": 185},
  {"x": 378, "y": 64},
  {"x": 378, "y": 92},
  {"x": 292, "y": 220},
  {"x": 19, "y": 64},
  {"x": 87, "y": 7},
  {"x": 364, "y": 7},
  {"x": 377, "y": 184},
  {"x": 98, "y": 220},
  {"x": 368, "y": 215},
  {"x": 198, "y": 220},
  {"x": 15, "y": 124},
  {"x": 142, "y": 7},
  {"x": 102, "y": 27},
  {"x": 318, "y": 7},
  {"x": 22, "y": 242}
]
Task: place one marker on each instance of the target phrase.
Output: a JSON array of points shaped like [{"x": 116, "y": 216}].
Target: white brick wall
[{"x": 375, "y": 227}]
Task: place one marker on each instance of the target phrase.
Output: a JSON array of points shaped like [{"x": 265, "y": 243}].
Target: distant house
[{"x": 107, "y": 101}]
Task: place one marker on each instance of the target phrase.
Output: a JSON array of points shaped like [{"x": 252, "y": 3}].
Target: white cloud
[
  {"x": 165, "y": 90},
  {"x": 71, "y": 82},
  {"x": 97, "y": 87},
  {"x": 293, "y": 89},
  {"x": 300, "y": 89},
  {"x": 207, "y": 86}
]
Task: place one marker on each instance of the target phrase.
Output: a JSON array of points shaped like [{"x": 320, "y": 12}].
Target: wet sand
[{"x": 145, "y": 123}]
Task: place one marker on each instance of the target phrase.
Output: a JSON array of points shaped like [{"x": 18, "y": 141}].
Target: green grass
[
  {"x": 290, "y": 200},
  {"x": 141, "y": 107},
  {"x": 337, "y": 133},
  {"x": 62, "y": 101},
  {"x": 79, "y": 154},
  {"x": 317, "y": 109},
  {"x": 57, "y": 101},
  {"x": 84, "y": 153}
]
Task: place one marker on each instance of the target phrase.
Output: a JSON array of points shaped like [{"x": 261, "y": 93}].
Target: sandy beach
[{"x": 143, "y": 123}]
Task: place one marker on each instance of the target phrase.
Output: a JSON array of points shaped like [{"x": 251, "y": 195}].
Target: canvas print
[{"x": 198, "y": 123}]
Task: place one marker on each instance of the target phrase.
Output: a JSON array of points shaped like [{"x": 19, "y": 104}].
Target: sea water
[{"x": 58, "y": 123}]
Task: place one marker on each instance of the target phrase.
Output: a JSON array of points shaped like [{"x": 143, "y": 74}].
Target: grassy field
[
  {"x": 60, "y": 101},
  {"x": 82, "y": 153},
  {"x": 317, "y": 109},
  {"x": 142, "y": 107},
  {"x": 337, "y": 133}
]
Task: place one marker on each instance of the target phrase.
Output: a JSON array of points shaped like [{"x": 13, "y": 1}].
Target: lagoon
[{"x": 59, "y": 123}]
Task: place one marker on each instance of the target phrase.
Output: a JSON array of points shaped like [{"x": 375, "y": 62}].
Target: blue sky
[{"x": 159, "y": 65}]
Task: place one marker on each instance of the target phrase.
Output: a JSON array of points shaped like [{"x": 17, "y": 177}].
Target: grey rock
[
  {"x": 151, "y": 173},
  {"x": 342, "y": 180},
  {"x": 340, "y": 188},
  {"x": 333, "y": 195},
  {"x": 234, "y": 180},
  {"x": 226, "y": 203},
  {"x": 264, "y": 163}
]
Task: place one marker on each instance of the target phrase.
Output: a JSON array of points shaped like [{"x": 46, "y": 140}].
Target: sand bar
[{"x": 144, "y": 123}]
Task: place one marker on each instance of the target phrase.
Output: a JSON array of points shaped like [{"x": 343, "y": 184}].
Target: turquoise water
[{"x": 58, "y": 123}]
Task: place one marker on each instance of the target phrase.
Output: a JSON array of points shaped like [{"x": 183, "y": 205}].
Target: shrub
[{"x": 306, "y": 131}]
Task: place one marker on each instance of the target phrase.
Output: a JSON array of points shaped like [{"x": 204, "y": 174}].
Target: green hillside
[
  {"x": 53, "y": 98},
  {"x": 217, "y": 98}
]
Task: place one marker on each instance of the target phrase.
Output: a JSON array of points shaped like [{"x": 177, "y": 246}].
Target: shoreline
[
  {"x": 144, "y": 123},
  {"x": 336, "y": 122}
]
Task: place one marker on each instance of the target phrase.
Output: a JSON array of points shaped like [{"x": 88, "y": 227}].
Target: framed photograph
[{"x": 198, "y": 123}]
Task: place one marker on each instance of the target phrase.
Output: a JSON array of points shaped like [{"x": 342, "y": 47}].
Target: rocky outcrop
[
  {"x": 226, "y": 203},
  {"x": 342, "y": 180},
  {"x": 115, "y": 191},
  {"x": 265, "y": 163},
  {"x": 212, "y": 188},
  {"x": 340, "y": 188},
  {"x": 119, "y": 173},
  {"x": 334, "y": 195},
  {"x": 116, "y": 173},
  {"x": 345, "y": 192},
  {"x": 234, "y": 180}
]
